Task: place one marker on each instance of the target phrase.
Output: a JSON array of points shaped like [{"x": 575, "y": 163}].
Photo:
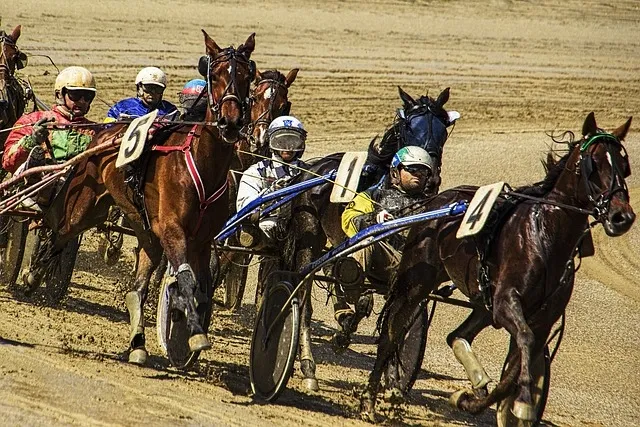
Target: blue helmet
[{"x": 193, "y": 87}]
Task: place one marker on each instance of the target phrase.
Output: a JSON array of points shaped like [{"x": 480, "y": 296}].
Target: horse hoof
[
  {"x": 138, "y": 356},
  {"x": 311, "y": 384},
  {"x": 340, "y": 342},
  {"x": 456, "y": 398},
  {"x": 199, "y": 342},
  {"x": 523, "y": 411},
  {"x": 394, "y": 396}
]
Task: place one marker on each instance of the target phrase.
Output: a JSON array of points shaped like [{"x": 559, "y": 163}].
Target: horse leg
[
  {"x": 508, "y": 313},
  {"x": 135, "y": 300},
  {"x": 174, "y": 242},
  {"x": 307, "y": 363},
  {"x": 460, "y": 342}
]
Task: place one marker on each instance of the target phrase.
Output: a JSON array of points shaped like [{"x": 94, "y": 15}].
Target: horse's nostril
[
  {"x": 222, "y": 123},
  {"x": 620, "y": 218}
]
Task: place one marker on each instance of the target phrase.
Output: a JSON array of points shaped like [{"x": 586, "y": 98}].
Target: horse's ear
[
  {"x": 589, "y": 127},
  {"x": 247, "y": 47},
  {"x": 443, "y": 97},
  {"x": 621, "y": 132},
  {"x": 406, "y": 98},
  {"x": 16, "y": 33},
  {"x": 258, "y": 76},
  {"x": 212, "y": 47},
  {"x": 291, "y": 77}
]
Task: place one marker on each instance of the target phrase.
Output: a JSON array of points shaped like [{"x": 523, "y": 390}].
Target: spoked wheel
[
  {"x": 235, "y": 281},
  {"x": 171, "y": 324},
  {"x": 15, "y": 233},
  {"x": 541, "y": 373},
  {"x": 275, "y": 342},
  {"x": 403, "y": 371},
  {"x": 110, "y": 244}
]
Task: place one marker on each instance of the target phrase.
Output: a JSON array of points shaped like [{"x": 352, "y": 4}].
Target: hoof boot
[
  {"x": 199, "y": 342},
  {"x": 311, "y": 384},
  {"x": 138, "y": 356},
  {"x": 523, "y": 411}
]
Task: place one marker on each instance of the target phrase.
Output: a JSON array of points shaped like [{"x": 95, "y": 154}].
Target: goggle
[
  {"x": 151, "y": 88},
  {"x": 77, "y": 94},
  {"x": 417, "y": 169}
]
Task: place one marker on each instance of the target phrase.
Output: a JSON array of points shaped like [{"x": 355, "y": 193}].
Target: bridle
[
  {"x": 585, "y": 166},
  {"x": 12, "y": 95},
  {"x": 267, "y": 116},
  {"x": 422, "y": 109},
  {"x": 231, "y": 92}
]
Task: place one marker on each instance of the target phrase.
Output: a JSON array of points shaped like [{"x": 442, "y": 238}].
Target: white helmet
[
  {"x": 151, "y": 76},
  {"x": 286, "y": 133},
  {"x": 413, "y": 155},
  {"x": 74, "y": 78}
]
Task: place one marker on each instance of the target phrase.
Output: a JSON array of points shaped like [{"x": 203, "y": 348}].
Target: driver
[
  {"x": 287, "y": 137},
  {"x": 193, "y": 101},
  {"x": 403, "y": 188},
  {"x": 150, "y": 85},
  {"x": 74, "y": 90}
]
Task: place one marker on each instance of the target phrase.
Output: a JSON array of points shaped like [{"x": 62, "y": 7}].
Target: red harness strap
[{"x": 195, "y": 175}]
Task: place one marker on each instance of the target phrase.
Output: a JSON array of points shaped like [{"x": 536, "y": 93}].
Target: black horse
[
  {"x": 518, "y": 273},
  {"x": 315, "y": 221}
]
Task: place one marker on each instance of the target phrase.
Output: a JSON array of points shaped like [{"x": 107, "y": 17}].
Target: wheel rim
[{"x": 271, "y": 359}]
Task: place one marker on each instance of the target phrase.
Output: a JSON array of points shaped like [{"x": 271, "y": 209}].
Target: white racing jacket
[{"x": 260, "y": 177}]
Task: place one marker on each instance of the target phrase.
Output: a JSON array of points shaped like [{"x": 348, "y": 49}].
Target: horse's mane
[
  {"x": 553, "y": 167},
  {"x": 273, "y": 75}
]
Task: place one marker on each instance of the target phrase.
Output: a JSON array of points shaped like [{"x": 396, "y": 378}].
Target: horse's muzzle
[{"x": 619, "y": 221}]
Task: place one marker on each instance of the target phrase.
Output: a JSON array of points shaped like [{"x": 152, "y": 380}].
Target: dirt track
[{"x": 516, "y": 70}]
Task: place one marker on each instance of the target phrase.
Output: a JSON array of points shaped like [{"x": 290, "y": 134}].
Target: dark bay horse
[
  {"x": 315, "y": 221},
  {"x": 184, "y": 194},
  {"x": 518, "y": 273},
  {"x": 269, "y": 99},
  {"x": 12, "y": 96}
]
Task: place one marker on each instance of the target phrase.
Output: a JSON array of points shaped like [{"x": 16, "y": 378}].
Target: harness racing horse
[
  {"x": 315, "y": 221},
  {"x": 184, "y": 195},
  {"x": 518, "y": 273},
  {"x": 269, "y": 99},
  {"x": 12, "y": 97}
]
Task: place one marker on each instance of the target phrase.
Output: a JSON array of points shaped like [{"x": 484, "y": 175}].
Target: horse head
[
  {"x": 424, "y": 122},
  {"x": 11, "y": 93},
  {"x": 229, "y": 73},
  {"x": 270, "y": 98},
  {"x": 11, "y": 58},
  {"x": 603, "y": 166}
]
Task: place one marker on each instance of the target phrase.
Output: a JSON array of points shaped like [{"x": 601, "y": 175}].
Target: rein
[{"x": 195, "y": 175}]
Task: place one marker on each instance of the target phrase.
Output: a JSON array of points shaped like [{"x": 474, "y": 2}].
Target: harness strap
[{"x": 195, "y": 175}]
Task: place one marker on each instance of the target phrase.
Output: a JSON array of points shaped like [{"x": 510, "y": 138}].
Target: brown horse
[
  {"x": 269, "y": 99},
  {"x": 184, "y": 195},
  {"x": 519, "y": 273},
  {"x": 12, "y": 96}
]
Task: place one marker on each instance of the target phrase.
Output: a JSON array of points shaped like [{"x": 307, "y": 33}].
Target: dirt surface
[{"x": 517, "y": 69}]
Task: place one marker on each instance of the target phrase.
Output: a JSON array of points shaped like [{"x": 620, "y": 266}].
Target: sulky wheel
[
  {"x": 14, "y": 234},
  {"x": 235, "y": 280},
  {"x": 171, "y": 324},
  {"x": 541, "y": 372},
  {"x": 411, "y": 353},
  {"x": 275, "y": 342}
]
